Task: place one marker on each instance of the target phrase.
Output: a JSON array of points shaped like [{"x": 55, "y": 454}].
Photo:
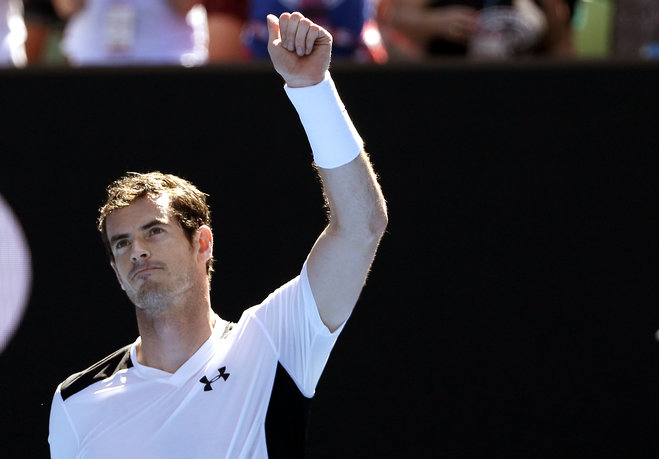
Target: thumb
[{"x": 273, "y": 28}]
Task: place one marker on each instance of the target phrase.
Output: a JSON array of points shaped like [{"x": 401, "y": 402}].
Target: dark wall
[{"x": 513, "y": 304}]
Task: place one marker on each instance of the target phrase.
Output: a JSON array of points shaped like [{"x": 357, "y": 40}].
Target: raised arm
[{"x": 341, "y": 257}]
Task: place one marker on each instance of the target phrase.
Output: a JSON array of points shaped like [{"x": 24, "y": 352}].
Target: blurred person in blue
[
  {"x": 238, "y": 30},
  {"x": 12, "y": 34},
  {"x": 133, "y": 32}
]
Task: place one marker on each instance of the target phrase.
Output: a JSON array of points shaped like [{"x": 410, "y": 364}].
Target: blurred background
[
  {"x": 200, "y": 32},
  {"x": 512, "y": 309}
]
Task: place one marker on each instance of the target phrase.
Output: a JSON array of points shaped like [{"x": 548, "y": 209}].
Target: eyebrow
[{"x": 152, "y": 223}]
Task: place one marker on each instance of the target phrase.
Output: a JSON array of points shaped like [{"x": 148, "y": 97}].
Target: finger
[
  {"x": 283, "y": 27},
  {"x": 273, "y": 28},
  {"x": 302, "y": 36},
  {"x": 291, "y": 31},
  {"x": 312, "y": 35}
]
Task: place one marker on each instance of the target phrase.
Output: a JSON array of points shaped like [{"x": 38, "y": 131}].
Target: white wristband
[{"x": 333, "y": 138}]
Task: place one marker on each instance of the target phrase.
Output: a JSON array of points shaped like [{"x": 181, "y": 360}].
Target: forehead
[{"x": 140, "y": 212}]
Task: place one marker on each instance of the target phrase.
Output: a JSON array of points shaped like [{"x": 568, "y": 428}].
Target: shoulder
[{"x": 103, "y": 369}]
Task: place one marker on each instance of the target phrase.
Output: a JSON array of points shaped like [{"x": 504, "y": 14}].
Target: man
[{"x": 193, "y": 385}]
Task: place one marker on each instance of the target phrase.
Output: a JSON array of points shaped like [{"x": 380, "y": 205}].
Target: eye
[
  {"x": 120, "y": 244},
  {"x": 156, "y": 230}
]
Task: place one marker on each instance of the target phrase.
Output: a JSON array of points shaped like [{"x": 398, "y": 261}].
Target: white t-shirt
[
  {"x": 136, "y": 32},
  {"x": 213, "y": 406}
]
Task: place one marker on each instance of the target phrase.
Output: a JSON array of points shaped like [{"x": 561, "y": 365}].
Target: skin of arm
[
  {"x": 455, "y": 23},
  {"x": 340, "y": 259}
]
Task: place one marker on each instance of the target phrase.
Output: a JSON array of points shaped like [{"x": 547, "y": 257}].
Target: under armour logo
[{"x": 208, "y": 383}]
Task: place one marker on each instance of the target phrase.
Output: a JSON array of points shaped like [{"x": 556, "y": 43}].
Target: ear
[
  {"x": 205, "y": 243},
  {"x": 114, "y": 268}
]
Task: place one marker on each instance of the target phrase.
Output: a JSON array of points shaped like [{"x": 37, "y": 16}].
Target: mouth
[{"x": 144, "y": 270}]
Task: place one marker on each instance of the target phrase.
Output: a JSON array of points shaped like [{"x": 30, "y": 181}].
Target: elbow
[
  {"x": 379, "y": 222},
  {"x": 367, "y": 230}
]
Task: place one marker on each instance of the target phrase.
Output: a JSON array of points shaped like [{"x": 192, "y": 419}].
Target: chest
[{"x": 218, "y": 406}]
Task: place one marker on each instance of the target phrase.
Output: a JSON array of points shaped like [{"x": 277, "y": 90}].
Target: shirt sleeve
[
  {"x": 303, "y": 342},
  {"x": 62, "y": 437}
]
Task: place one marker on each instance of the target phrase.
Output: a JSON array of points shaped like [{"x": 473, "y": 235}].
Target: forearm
[
  {"x": 353, "y": 195},
  {"x": 455, "y": 23},
  {"x": 357, "y": 208},
  {"x": 415, "y": 19},
  {"x": 341, "y": 258},
  {"x": 415, "y": 22}
]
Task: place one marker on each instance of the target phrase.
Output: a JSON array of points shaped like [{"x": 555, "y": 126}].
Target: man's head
[{"x": 187, "y": 204}]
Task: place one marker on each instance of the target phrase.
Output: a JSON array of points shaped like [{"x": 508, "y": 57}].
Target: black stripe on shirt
[
  {"x": 119, "y": 360},
  {"x": 286, "y": 424}
]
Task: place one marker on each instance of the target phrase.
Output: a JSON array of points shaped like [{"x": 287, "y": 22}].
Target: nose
[{"x": 138, "y": 251}]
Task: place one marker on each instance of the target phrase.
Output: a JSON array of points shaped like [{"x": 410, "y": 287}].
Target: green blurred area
[
  {"x": 52, "y": 54},
  {"x": 592, "y": 27}
]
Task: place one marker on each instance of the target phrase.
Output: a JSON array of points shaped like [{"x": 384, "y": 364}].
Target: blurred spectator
[
  {"x": 134, "y": 32},
  {"x": 43, "y": 27},
  {"x": 636, "y": 29},
  {"x": 352, "y": 24},
  {"x": 12, "y": 34},
  {"x": 415, "y": 29},
  {"x": 557, "y": 40},
  {"x": 226, "y": 19}
]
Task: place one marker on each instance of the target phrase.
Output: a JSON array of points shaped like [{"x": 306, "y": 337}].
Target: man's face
[{"x": 153, "y": 260}]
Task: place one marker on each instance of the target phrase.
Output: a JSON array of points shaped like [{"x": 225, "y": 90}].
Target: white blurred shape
[
  {"x": 12, "y": 34},
  {"x": 15, "y": 273}
]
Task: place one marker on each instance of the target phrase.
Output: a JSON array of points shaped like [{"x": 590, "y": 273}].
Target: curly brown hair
[{"x": 187, "y": 204}]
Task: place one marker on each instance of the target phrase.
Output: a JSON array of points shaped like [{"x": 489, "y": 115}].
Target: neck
[{"x": 170, "y": 336}]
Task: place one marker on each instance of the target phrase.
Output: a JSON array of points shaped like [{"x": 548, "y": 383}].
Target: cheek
[{"x": 122, "y": 268}]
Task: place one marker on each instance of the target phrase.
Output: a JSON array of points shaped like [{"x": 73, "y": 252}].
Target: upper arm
[{"x": 341, "y": 258}]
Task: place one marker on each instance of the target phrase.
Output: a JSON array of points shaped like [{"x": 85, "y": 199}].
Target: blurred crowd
[{"x": 200, "y": 32}]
